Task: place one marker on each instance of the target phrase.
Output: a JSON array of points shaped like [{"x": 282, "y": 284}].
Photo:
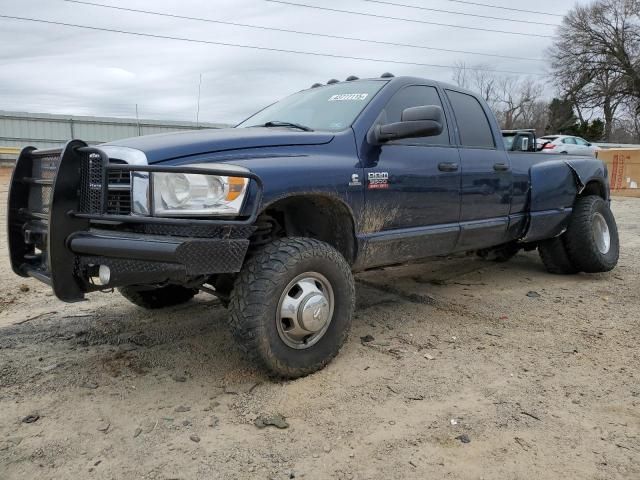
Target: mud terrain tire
[
  {"x": 592, "y": 236},
  {"x": 554, "y": 256},
  {"x": 268, "y": 279}
]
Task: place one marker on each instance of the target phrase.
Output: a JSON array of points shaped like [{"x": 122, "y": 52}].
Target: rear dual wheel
[
  {"x": 591, "y": 239},
  {"x": 590, "y": 244},
  {"x": 555, "y": 259}
]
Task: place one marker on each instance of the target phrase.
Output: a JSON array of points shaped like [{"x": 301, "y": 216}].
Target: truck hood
[{"x": 167, "y": 146}]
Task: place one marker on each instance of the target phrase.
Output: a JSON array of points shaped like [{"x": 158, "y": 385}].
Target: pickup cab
[{"x": 274, "y": 216}]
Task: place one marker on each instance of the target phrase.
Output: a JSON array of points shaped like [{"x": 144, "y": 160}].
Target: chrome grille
[
  {"x": 91, "y": 179},
  {"x": 92, "y": 190},
  {"x": 119, "y": 195}
]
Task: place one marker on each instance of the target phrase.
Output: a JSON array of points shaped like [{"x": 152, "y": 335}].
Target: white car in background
[{"x": 565, "y": 144}]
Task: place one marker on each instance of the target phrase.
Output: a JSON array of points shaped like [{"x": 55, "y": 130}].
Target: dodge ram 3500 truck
[{"x": 274, "y": 215}]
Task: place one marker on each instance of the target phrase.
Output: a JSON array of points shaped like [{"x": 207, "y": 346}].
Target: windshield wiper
[{"x": 278, "y": 123}]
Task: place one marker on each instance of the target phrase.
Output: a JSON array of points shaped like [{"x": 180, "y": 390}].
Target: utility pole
[
  {"x": 138, "y": 121},
  {"x": 198, "y": 107}
]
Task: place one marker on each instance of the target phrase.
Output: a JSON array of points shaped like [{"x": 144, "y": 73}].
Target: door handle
[
  {"x": 500, "y": 167},
  {"x": 448, "y": 167}
]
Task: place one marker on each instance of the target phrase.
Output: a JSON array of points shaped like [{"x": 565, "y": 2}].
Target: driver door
[{"x": 412, "y": 189}]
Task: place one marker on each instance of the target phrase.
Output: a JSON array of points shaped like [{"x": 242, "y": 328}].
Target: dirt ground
[{"x": 475, "y": 370}]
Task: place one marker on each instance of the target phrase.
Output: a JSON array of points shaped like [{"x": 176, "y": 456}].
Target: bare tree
[
  {"x": 627, "y": 124},
  {"x": 478, "y": 79},
  {"x": 515, "y": 101},
  {"x": 461, "y": 75},
  {"x": 596, "y": 57},
  {"x": 537, "y": 117},
  {"x": 516, "y": 98}
]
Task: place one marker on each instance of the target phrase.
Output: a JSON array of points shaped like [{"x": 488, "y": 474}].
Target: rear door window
[
  {"x": 473, "y": 124},
  {"x": 416, "y": 96},
  {"x": 569, "y": 140}
]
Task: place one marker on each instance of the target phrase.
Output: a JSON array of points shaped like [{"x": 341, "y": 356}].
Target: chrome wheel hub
[
  {"x": 601, "y": 234},
  {"x": 305, "y": 310}
]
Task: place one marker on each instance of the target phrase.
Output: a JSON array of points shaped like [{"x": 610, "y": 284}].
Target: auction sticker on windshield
[{"x": 345, "y": 97}]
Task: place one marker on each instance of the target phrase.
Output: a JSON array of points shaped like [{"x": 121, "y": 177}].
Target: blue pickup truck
[{"x": 274, "y": 216}]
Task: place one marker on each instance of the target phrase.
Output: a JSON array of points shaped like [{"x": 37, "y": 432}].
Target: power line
[
  {"x": 254, "y": 47},
  {"x": 461, "y": 13},
  {"x": 500, "y": 7},
  {"x": 411, "y": 20},
  {"x": 297, "y": 32}
]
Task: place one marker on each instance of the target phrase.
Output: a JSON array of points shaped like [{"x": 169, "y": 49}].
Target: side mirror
[{"x": 425, "y": 121}]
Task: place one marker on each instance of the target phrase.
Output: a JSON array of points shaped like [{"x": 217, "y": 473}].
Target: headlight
[
  {"x": 197, "y": 194},
  {"x": 178, "y": 194}
]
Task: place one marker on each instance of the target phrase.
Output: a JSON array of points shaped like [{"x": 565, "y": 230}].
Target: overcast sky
[{"x": 58, "y": 69}]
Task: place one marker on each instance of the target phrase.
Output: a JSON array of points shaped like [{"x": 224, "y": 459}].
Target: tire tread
[
  {"x": 246, "y": 308},
  {"x": 581, "y": 247},
  {"x": 554, "y": 257}
]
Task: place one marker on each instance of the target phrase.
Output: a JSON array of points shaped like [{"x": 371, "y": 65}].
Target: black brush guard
[{"x": 56, "y": 199}]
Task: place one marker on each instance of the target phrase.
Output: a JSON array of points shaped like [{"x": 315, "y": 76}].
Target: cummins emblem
[
  {"x": 378, "y": 180},
  {"x": 355, "y": 180}
]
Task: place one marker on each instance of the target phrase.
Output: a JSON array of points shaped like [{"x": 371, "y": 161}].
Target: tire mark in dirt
[{"x": 447, "y": 307}]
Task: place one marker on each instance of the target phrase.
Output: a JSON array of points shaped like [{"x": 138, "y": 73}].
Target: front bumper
[
  {"x": 62, "y": 225},
  {"x": 149, "y": 259}
]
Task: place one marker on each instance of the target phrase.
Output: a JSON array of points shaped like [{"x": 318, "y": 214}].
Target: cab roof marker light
[
  {"x": 316, "y": 85},
  {"x": 351, "y": 78},
  {"x": 387, "y": 75},
  {"x": 332, "y": 81}
]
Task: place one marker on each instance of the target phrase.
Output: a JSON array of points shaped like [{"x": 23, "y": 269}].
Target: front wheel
[
  {"x": 291, "y": 306},
  {"x": 592, "y": 236}
]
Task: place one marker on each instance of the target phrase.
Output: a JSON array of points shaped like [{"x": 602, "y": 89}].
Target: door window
[
  {"x": 582, "y": 141},
  {"x": 473, "y": 124},
  {"x": 569, "y": 140},
  {"x": 416, "y": 96}
]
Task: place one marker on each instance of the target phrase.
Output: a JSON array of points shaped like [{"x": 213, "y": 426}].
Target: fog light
[{"x": 104, "y": 274}]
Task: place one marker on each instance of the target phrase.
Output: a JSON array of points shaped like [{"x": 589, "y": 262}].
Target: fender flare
[
  {"x": 331, "y": 200},
  {"x": 554, "y": 187}
]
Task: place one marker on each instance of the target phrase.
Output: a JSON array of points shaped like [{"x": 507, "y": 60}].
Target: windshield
[
  {"x": 331, "y": 107},
  {"x": 508, "y": 141}
]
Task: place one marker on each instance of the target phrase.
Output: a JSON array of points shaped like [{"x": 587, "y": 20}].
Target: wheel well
[
  {"x": 594, "y": 187},
  {"x": 315, "y": 216}
]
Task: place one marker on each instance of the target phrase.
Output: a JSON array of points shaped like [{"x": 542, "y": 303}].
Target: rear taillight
[{"x": 548, "y": 146}]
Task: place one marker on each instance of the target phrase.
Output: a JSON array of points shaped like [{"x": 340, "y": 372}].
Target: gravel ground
[{"x": 455, "y": 368}]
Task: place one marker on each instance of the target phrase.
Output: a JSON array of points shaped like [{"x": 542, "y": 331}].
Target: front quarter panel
[{"x": 325, "y": 170}]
